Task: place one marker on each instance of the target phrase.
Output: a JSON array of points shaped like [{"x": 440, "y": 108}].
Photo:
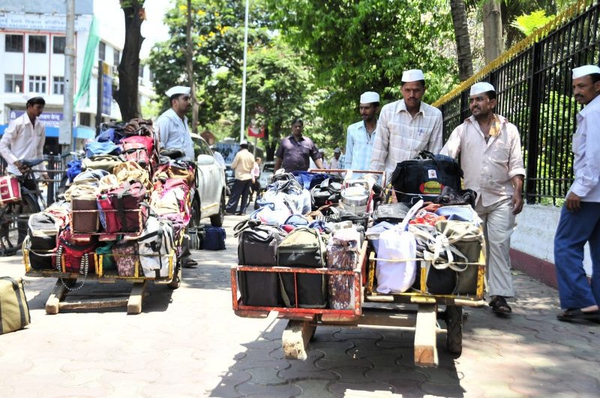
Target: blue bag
[
  {"x": 73, "y": 169},
  {"x": 101, "y": 148},
  {"x": 214, "y": 238}
]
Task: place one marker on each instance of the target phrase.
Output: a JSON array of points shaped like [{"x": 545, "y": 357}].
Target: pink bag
[{"x": 10, "y": 190}]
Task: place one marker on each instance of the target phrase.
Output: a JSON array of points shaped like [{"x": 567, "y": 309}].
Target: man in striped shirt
[{"x": 406, "y": 127}]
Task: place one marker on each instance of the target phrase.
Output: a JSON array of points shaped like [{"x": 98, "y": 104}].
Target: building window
[
  {"x": 102, "y": 51},
  {"x": 116, "y": 57},
  {"x": 13, "y": 43},
  {"x": 85, "y": 119},
  {"x": 37, "y": 84},
  {"x": 37, "y": 44},
  {"x": 58, "y": 44},
  {"x": 58, "y": 85},
  {"x": 13, "y": 83}
]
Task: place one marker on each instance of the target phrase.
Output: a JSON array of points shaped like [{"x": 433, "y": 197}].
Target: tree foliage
[{"x": 355, "y": 46}]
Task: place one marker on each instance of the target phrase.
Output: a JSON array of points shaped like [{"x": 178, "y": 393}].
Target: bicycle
[{"x": 14, "y": 217}]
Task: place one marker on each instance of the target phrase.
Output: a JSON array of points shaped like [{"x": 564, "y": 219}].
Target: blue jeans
[{"x": 573, "y": 231}]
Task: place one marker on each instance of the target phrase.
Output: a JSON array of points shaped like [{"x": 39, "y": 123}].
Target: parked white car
[
  {"x": 209, "y": 198},
  {"x": 266, "y": 175}
]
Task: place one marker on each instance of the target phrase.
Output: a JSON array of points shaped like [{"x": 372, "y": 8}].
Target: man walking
[
  {"x": 242, "y": 164},
  {"x": 491, "y": 159},
  {"x": 406, "y": 127},
  {"x": 360, "y": 136},
  {"x": 295, "y": 150},
  {"x": 580, "y": 216}
]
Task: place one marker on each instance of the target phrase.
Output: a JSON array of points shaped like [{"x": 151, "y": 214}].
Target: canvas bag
[
  {"x": 257, "y": 243},
  {"x": 96, "y": 148},
  {"x": 303, "y": 247},
  {"x": 131, "y": 171},
  {"x": 342, "y": 253},
  {"x": 138, "y": 149},
  {"x": 214, "y": 238},
  {"x": 397, "y": 249},
  {"x": 125, "y": 255},
  {"x": 42, "y": 240},
  {"x": 14, "y": 310},
  {"x": 155, "y": 246}
]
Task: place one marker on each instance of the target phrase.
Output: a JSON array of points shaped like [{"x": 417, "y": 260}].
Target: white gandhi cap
[
  {"x": 178, "y": 90},
  {"x": 585, "y": 70},
  {"x": 369, "y": 97},
  {"x": 413, "y": 75},
  {"x": 482, "y": 87}
]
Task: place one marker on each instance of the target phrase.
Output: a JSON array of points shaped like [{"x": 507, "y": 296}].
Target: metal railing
[{"x": 533, "y": 83}]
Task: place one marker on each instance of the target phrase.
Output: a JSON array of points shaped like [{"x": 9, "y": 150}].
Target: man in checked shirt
[{"x": 406, "y": 127}]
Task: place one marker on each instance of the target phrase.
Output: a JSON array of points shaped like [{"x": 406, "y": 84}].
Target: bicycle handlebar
[{"x": 31, "y": 162}]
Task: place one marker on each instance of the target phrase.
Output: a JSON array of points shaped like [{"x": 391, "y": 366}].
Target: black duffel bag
[{"x": 425, "y": 176}]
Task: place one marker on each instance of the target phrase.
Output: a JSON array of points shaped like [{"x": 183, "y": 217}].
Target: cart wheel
[
  {"x": 454, "y": 323},
  {"x": 176, "y": 282}
]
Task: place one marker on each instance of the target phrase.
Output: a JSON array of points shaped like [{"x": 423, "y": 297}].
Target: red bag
[
  {"x": 121, "y": 209},
  {"x": 146, "y": 142},
  {"x": 136, "y": 152},
  {"x": 75, "y": 257},
  {"x": 10, "y": 190}
]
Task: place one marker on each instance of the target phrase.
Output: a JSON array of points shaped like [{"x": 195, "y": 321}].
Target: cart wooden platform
[
  {"x": 68, "y": 282},
  {"x": 409, "y": 311}
]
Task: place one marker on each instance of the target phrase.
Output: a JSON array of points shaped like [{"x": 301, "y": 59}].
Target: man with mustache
[
  {"x": 174, "y": 133},
  {"x": 580, "y": 216},
  {"x": 361, "y": 136},
  {"x": 492, "y": 162},
  {"x": 406, "y": 127}
]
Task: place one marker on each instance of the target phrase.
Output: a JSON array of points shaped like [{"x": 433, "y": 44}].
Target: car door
[{"x": 210, "y": 179}]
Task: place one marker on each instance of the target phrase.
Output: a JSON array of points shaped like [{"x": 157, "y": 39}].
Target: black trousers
[{"x": 241, "y": 188}]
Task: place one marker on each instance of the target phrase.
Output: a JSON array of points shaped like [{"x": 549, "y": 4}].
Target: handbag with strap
[{"x": 425, "y": 177}]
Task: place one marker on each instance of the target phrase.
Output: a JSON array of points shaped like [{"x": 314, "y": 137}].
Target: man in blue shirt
[{"x": 360, "y": 136}]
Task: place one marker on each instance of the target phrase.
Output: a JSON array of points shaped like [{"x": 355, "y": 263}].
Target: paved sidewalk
[{"x": 188, "y": 343}]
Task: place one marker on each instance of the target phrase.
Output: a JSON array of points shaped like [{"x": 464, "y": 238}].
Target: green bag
[
  {"x": 14, "y": 310},
  {"x": 303, "y": 247},
  {"x": 102, "y": 162}
]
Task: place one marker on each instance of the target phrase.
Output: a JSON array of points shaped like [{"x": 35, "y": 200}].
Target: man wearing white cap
[
  {"x": 580, "y": 216},
  {"x": 173, "y": 132},
  {"x": 360, "y": 136},
  {"x": 491, "y": 159},
  {"x": 406, "y": 127},
  {"x": 172, "y": 125}
]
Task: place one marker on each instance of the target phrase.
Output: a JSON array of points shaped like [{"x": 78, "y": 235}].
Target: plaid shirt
[{"x": 401, "y": 137}]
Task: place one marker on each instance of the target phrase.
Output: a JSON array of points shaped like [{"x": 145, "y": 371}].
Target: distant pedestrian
[
  {"x": 295, "y": 150},
  {"x": 490, "y": 152},
  {"x": 580, "y": 215},
  {"x": 335, "y": 163},
  {"x": 256, "y": 188},
  {"x": 242, "y": 164},
  {"x": 361, "y": 136}
]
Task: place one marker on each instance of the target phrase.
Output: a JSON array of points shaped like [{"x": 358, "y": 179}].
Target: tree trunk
[
  {"x": 461, "y": 34},
  {"x": 492, "y": 30},
  {"x": 129, "y": 67},
  {"x": 189, "y": 63}
]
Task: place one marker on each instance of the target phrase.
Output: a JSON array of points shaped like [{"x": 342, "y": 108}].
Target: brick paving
[{"x": 188, "y": 343}]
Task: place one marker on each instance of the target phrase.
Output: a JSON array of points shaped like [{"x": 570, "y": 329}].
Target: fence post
[{"x": 532, "y": 144}]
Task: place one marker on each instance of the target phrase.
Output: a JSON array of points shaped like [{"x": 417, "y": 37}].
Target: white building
[{"x": 32, "y": 47}]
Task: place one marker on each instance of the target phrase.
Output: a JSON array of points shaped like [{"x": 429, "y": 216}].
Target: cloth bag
[{"x": 396, "y": 257}]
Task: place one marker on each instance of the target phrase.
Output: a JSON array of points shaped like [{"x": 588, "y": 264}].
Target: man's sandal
[
  {"x": 577, "y": 315},
  {"x": 500, "y": 306}
]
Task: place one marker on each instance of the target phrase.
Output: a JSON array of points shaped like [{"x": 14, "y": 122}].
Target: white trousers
[{"x": 498, "y": 226}]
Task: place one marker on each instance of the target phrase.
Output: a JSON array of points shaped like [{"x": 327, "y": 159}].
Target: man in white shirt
[
  {"x": 406, "y": 127},
  {"x": 24, "y": 139},
  {"x": 491, "y": 159},
  {"x": 242, "y": 164},
  {"x": 580, "y": 216},
  {"x": 361, "y": 136},
  {"x": 172, "y": 125}
]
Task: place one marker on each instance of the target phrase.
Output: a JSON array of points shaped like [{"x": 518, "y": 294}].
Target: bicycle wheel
[{"x": 13, "y": 224}]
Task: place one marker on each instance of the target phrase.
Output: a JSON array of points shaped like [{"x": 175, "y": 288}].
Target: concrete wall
[{"x": 532, "y": 243}]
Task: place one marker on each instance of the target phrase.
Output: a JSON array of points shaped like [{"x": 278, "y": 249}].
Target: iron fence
[{"x": 533, "y": 83}]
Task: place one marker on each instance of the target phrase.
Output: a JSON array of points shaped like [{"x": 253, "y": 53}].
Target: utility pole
[
  {"x": 65, "y": 137},
  {"x": 243, "y": 115}
]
